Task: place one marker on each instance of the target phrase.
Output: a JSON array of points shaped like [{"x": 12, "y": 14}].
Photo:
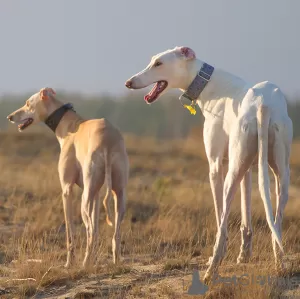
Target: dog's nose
[
  {"x": 10, "y": 117},
  {"x": 128, "y": 83}
]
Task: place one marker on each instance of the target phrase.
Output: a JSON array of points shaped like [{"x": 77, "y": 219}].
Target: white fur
[{"x": 240, "y": 121}]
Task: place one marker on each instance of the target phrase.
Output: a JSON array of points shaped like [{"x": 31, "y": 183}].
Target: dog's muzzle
[{"x": 128, "y": 83}]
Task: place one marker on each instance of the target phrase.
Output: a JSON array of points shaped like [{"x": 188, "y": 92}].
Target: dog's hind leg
[
  {"x": 86, "y": 207},
  {"x": 88, "y": 212},
  {"x": 95, "y": 219},
  {"x": 93, "y": 178},
  {"x": 246, "y": 225},
  {"x": 279, "y": 162},
  {"x": 120, "y": 173},
  {"x": 283, "y": 181},
  {"x": 119, "y": 199}
]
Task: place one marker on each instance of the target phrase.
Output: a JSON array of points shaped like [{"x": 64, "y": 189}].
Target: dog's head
[
  {"x": 167, "y": 70},
  {"x": 34, "y": 110}
]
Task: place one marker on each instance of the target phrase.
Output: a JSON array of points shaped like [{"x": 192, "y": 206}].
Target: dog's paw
[{"x": 207, "y": 279}]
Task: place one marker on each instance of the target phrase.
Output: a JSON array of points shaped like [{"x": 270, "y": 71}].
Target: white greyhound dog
[{"x": 240, "y": 121}]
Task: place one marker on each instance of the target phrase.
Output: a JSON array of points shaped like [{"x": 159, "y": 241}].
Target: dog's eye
[{"x": 157, "y": 63}]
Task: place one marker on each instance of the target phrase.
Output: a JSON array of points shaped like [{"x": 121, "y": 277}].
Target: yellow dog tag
[{"x": 190, "y": 108}]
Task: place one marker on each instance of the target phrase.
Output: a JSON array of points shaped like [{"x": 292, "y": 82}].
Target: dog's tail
[
  {"x": 263, "y": 120},
  {"x": 108, "y": 195}
]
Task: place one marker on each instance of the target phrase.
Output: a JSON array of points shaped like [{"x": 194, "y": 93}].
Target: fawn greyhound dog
[
  {"x": 92, "y": 151},
  {"x": 241, "y": 122}
]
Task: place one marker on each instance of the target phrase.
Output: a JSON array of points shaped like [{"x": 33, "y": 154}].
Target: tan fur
[{"x": 91, "y": 151}]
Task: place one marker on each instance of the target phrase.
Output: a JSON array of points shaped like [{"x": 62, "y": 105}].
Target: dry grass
[{"x": 168, "y": 229}]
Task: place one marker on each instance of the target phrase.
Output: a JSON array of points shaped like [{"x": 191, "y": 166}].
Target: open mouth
[
  {"x": 25, "y": 123},
  {"x": 158, "y": 88}
]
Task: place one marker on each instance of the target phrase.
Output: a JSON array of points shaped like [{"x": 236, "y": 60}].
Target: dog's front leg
[
  {"x": 67, "y": 203},
  {"x": 216, "y": 185},
  {"x": 231, "y": 183},
  {"x": 213, "y": 135},
  {"x": 242, "y": 151},
  {"x": 214, "y": 139}
]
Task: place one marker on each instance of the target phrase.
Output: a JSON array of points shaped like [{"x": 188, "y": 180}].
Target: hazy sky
[{"x": 94, "y": 45}]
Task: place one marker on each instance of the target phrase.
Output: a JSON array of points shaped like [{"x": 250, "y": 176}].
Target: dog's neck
[
  {"x": 193, "y": 68},
  {"x": 221, "y": 85},
  {"x": 67, "y": 125}
]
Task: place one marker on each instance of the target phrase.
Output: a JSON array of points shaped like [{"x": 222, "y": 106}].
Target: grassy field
[{"x": 169, "y": 227}]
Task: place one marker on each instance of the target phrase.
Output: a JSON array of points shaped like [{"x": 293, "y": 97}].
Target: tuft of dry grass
[
  {"x": 169, "y": 226},
  {"x": 176, "y": 264}
]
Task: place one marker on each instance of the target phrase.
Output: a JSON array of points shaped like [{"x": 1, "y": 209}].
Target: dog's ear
[
  {"x": 186, "y": 52},
  {"x": 45, "y": 92}
]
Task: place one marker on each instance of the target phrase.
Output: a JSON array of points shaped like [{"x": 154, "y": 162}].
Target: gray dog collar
[
  {"x": 199, "y": 83},
  {"x": 54, "y": 118}
]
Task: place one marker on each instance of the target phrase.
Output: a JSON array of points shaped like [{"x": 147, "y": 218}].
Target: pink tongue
[{"x": 148, "y": 96}]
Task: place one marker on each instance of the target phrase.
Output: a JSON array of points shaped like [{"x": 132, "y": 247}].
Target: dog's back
[
  {"x": 98, "y": 140},
  {"x": 98, "y": 133}
]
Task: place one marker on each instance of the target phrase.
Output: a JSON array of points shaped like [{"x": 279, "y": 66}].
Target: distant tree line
[{"x": 165, "y": 118}]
